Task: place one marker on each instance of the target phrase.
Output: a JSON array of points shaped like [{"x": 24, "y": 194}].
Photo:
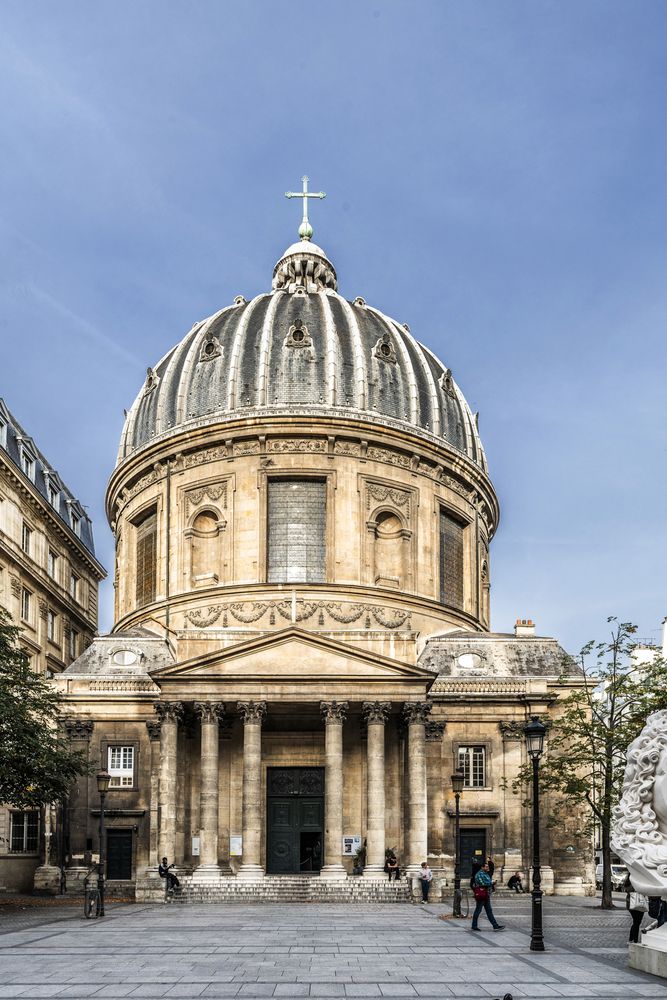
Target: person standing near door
[{"x": 425, "y": 877}]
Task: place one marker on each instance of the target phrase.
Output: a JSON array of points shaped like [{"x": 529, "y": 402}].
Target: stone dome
[{"x": 301, "y": 349}]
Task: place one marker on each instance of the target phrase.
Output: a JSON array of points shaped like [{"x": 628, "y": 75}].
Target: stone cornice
[
  {"x": 225, "y": 440},
  {"x": 41, "y": 508},
  {"x": 25, "y": 567},
  {"x": 328, "y": 593}
]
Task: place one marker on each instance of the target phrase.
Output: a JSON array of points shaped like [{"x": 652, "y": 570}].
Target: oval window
[
  {"x": 124, "y": 658},
  {"x": 470, "y": 661}
]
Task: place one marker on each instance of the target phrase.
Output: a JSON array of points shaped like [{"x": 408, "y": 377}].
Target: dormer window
[
  {"x": 210, "y": 349},
  {"x": 385, "y": 350},
  {"x": 54, "y": 496},
  {"x": 298, "y": 335},
  {"x": 3, "y": 434},
  {"x": 75, "y": 521},
  {"x": 28, "y": 464}
]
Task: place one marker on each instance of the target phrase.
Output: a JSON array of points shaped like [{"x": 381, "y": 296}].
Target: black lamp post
[
  {"x": 535, "y": 731},
  {"x": 103, "y": 779},
  {"x": 457, "y": 787}
]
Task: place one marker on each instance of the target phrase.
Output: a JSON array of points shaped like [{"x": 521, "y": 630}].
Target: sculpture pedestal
[{"x": 651, "y": 955}]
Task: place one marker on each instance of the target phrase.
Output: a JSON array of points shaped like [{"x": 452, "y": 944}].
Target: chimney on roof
[{"x": 524, "y": 627}]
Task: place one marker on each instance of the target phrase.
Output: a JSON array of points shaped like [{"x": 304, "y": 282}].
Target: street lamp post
[
  {"x": 457, "y": 788},
  {"x": 103, "y": 779},
  {"x": 535, "y": 731}
]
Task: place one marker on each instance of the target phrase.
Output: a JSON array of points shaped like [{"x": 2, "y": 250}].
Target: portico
[{"x": 360, "y": 724}]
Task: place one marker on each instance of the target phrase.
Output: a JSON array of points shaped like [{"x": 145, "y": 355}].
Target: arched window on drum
[
  {"x": 391, "y": 551},
  {"x": 204, "y": 548}
]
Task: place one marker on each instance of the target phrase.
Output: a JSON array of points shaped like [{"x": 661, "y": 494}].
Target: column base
[
  {"x": 333, "y": 872},
  {"x": 206, "y": 873},
  {"x": 413, "y": 871},
  {"x": 374, "y": 871},
  {"x": 252, "y": 873}
]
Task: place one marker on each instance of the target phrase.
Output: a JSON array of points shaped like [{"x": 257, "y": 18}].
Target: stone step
[{"x": 287, "y": 889}]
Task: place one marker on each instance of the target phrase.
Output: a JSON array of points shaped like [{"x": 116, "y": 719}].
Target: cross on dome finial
[{"x": 305, "y": 229}]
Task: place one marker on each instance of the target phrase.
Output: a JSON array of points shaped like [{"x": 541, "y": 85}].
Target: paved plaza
[{"x": 316, "y": 951}]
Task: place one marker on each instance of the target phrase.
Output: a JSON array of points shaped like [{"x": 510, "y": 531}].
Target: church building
[{"x": 302, "y": 654}]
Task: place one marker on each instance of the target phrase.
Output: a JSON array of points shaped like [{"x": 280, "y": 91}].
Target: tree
[
  {"x": 37, "y": 764},
  {"x": 592, "y": 729}
]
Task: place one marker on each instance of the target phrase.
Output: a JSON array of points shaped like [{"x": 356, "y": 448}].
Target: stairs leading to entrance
[{"x": 292, "y": 889}]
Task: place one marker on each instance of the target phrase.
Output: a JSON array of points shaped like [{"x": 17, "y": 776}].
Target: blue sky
[{"x": 495, "y": 177}]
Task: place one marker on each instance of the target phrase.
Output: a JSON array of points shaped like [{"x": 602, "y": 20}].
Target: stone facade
[
  {"x": 49, "y": 580},
  {"x": 284, "y": 677}
]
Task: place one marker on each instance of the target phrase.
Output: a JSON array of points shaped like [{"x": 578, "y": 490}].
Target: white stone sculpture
[{"x": 639, "y": 832}]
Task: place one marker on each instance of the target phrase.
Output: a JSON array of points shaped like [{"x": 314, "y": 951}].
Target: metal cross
[{"x": 305, "y": 229}]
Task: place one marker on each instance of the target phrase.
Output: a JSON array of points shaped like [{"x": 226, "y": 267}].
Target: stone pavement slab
[{"x": 318, "y": 951}]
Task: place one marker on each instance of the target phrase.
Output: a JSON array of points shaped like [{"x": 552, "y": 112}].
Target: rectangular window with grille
[
  {"x": 451, "y": 560},
  {"x": 121, "y": 767},
  {"x": 24, "y": 832},
  {"x": 146, "y": 552},
  {"x": 26, "y": 538},
  {"x": 26, "y": 604},
  {"x": 473, "y": 761},
  {"x": 296, "y": 531},
  {"x": 52, "y": 625}
]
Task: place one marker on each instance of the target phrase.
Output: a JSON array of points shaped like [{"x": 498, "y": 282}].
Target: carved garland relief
[{"x": 249, "y": 612}]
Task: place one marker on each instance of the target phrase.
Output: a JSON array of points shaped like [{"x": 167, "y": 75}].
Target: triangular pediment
[{"x": 293, "y": 655}]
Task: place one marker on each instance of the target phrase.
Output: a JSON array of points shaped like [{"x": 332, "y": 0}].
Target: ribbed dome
[{"x": 301, "y": 348}]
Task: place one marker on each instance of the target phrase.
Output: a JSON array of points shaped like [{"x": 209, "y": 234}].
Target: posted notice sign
[{"x": 350, "y": 846}]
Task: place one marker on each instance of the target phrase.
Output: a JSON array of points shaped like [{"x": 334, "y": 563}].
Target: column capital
[
  {"x": 79, "y": 729},
  {"x": 434, "y": 731},
  {"x": 511, "y": 731},
  {"x": 153, "y": 726},
  {"x": 209, "y": 711},
  {"x": 334, "y": 711},
  {"x": 252, "y": 711},
  {"x": 169, "y": 711},
  {"x": 417, "y": 712},
  {"x": 376, "y": 711}
]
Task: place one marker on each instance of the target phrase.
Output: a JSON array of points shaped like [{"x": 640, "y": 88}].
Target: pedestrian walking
[
  {"x": 425, "y": 877},
  {"x": 637, "y": 904},
  {"x": 482, "y": 892}
]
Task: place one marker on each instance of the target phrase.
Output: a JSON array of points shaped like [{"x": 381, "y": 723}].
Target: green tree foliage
[
  {"x": 37, "y": 765},
  {"x": 592, "y": 729}
]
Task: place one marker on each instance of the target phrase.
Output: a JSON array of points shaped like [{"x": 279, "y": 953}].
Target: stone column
[
  {"x": 210, "y": 713},
  {"x": 416, "y": 714},
  {"x": 79, "y": 732},
  {"x": 153, "y": 727},
  {"x": 513, "y": 809},
  {"x": 437, "y": 780},
  {"x": 169, "y": 713},
  {"x": 334, "y": 715},
  {"x": 375, "y": 713},
  {"x": 252, "y": 712}
]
